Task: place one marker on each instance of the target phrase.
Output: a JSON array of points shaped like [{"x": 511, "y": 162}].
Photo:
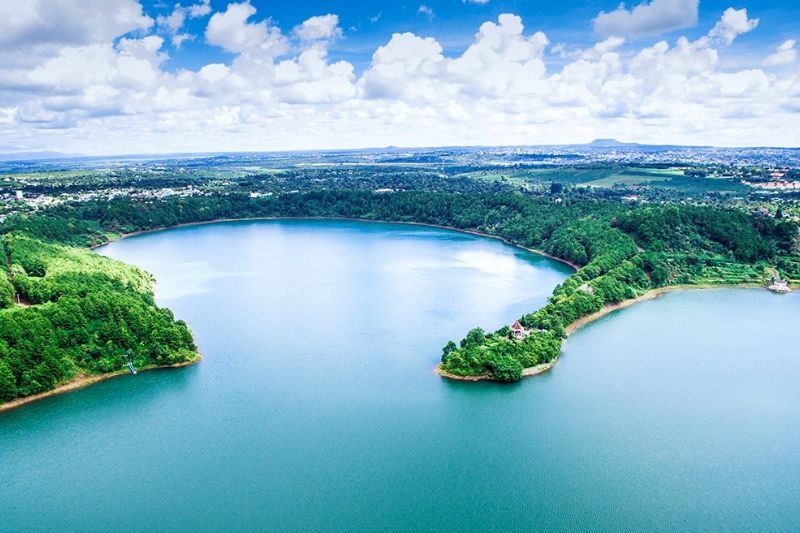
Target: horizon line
[{"x": 597, "y": 143}]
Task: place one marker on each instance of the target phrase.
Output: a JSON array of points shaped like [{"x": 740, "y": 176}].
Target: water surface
[{"x": 316, "y": 407}]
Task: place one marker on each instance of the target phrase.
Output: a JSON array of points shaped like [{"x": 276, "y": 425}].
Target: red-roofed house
[{"x": 519, "y": 332}]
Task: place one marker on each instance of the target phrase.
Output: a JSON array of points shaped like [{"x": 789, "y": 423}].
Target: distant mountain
[
  {"x": 32, "y": 156},
  {"x": 610, "y": 143}
]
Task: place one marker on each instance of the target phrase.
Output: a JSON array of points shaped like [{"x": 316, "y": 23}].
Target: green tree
[
  {"x": 506, "y": 369},
  {"x": 475, "y": 337},
  {"x": 8, "y": 384},
  {"x": 448, "y": 349}
]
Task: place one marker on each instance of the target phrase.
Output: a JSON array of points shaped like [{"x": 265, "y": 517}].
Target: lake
[{"x": 316, "y": 406}]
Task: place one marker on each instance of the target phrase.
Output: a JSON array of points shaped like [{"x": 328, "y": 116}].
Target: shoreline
[
  {"x": 526, "y": 372},
  {"x": 120, "y": 236},
  {"x": 82, "y": 381},
  {"x": 588, "y": 319},
  {"x": 651, "y": 295}
]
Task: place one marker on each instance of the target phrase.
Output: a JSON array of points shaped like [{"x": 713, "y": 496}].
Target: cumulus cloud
[
  {"x": 231, "y": 30},
  {"x": 405, "y": 67},
  {"x": 502, "y": 58},
  {"x": 733, "y": 23},
  {"x": 311, "y": 79},
  {"x": 174, "y": 21},
  {"x": 69, "y": 21},
  {"x": 319, "y": 28},
  {"x": 785, "y": 54},
  {"x": 283, "y": 91},
  {"x": 200, "y": 10},
  {"x": 648, "y": 18},
  {"x": 131, "y": 63},
  {"x": 172, "y": 24}
]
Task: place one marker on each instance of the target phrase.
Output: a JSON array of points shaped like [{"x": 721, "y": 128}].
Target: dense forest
[
  {"x": 68, "y": 311},
  {"x": 84, "y": 313}
]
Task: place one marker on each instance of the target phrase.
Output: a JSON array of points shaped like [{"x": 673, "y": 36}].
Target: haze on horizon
[{"x": 103, "y": 77}]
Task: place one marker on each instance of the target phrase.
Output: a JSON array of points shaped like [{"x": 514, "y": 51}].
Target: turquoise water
[{"x": 316, "y": 407}]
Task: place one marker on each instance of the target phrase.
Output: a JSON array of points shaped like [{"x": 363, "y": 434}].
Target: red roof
[{"x": 517, "y": 326}]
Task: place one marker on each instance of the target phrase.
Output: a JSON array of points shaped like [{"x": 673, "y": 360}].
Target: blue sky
[
  {"x": 146, "y": 76},
  {"x": 368, "y": 24}
]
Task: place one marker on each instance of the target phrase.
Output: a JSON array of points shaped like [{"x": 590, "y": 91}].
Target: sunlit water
[{"x": 316, "y": 407}]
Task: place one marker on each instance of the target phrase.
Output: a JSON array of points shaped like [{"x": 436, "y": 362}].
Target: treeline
[
  {"x": 702, "y": 229},
  {"x": 622, "y": 251}
]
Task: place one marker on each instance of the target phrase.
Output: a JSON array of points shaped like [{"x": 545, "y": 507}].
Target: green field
[
  {"x": 637, "y": 176},
  {"x": 593, "y": 176}
]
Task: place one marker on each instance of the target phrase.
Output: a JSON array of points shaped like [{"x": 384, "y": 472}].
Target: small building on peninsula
[{"x": 518, "y": 331}]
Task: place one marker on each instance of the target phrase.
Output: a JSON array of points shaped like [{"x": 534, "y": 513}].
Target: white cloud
[
  {"x": 319, "y": 28},
  {"x": 502, "y": 59},
  {"x": 174, "y": 21},
  {"x": 179, "y": 38},
  {"x": 785, "y": 54},
  {"x": 172, "y": 24},
  {"x": 427, "y": 11},
  {"x": 68, "y": 21},
  {"x": 733, "y": 23},
  {"x": 214, "y": 72},
  {"x": 277, "y": 93},
  {"x": 404, "y": 67},
  {"x": 310, "y": 79},
  {"x": 200, "y": 10},
  {"x": 231, "y": 30},
  {"x": 648, "y": 18}
]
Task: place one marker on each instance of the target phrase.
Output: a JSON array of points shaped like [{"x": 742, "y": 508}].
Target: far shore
[
  {"x": 82, "y": 381},
  {"x": 575, "y": 326},
  {"x": 572, "y": 265}
]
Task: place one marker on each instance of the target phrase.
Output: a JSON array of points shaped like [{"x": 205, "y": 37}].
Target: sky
[{"x": 106, "y": 77}]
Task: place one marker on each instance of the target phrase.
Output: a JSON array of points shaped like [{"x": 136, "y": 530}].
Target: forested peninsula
[{"x": 69, "y": 313}]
